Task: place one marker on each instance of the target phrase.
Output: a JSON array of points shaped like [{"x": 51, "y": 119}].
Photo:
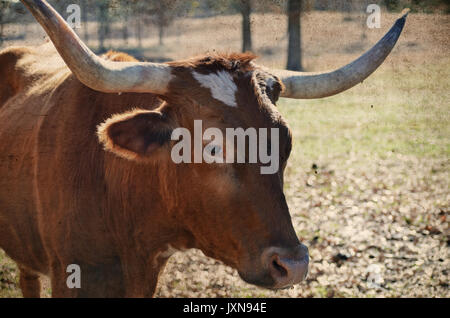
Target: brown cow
[{"x": 118, "y": 208}]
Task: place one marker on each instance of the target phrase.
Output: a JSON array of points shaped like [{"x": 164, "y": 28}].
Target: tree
[
  {"x": 244, "y": 7},
  {"x": 246, "y": 10},
  {"x": 164, "y": 13},
  {"x": 103, "y": 22},
  {"x": 158, "y": 12},
  {"x": 4, "y": 6},
  {"x": 84, "y": 15},
  {"x": 391, "y": 4},
  {"x": 294, "y": 32},
  {"x": 125, "y": 16},
  {"x": 120, "y": 11}
]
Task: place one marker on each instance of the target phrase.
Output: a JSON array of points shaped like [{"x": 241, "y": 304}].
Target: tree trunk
[
  {"x": 365, "y": 4},
  {"x": 139, "y": 31},
  {"x": 125, "y": 29},
  {"x": 161, "y": 33},
  {"x": 294, "y": 31},
  {"x": 85, "y": 10},
  {"x": 246, "y": 10},
  {"x": 1, "y": 32},
  {"x": 162, "y": 20},
  {"x": 103, "y": 24},
  {"x": 3, "y": 7},
  {"x": 101, "y": 37}
]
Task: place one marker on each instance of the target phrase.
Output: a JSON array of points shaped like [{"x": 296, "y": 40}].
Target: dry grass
[
  {"x": 328, "y": 39},
  {"x": 368, "y": 180}
]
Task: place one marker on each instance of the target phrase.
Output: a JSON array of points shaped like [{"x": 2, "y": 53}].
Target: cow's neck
[{"x": 141, "y": 211}]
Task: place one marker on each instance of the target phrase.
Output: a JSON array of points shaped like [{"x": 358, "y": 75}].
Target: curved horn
[
  {"x": 302, "y": 85},
  {"x": 93, "y": 71}
]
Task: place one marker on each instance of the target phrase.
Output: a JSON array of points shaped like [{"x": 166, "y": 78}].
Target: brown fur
[
  {"x": 65, "y": 200},
  {"x": 118, "y": 57},
  {"x": 234, "y": 62}
]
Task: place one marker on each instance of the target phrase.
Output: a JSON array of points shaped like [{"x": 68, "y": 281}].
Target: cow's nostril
[
  {"x": 279, "y": 267},
  {"x": 287, "y": 266}
]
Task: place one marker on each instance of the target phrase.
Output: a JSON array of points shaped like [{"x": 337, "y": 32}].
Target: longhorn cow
[{"x": 86, "y": 175}]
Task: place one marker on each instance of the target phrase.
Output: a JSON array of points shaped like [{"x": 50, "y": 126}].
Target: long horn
[
  {"x": 304, "y": 85},
  {"x": 93, "y": 71}
]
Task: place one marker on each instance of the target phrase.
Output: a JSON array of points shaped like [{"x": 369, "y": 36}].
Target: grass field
[{"x": 368, "y": 182}]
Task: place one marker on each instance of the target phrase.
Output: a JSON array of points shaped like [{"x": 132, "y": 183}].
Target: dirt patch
[{"x": 374, "y": 228}]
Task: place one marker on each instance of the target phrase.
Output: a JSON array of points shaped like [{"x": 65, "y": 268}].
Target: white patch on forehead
[{"x": 221, "y": 84}]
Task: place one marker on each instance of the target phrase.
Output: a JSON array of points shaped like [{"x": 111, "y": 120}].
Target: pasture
[{"x": 368, "y": 181}]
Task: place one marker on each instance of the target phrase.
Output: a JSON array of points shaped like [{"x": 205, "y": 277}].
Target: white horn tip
[{"x": 405, "y": 13}]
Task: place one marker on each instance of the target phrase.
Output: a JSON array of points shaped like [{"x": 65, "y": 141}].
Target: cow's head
[
  {"x": 233, "y": 211},
  {"x": 236, "y": 212}
]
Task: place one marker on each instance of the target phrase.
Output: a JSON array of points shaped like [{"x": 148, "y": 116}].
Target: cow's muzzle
[{"x": 287, "y": 266}]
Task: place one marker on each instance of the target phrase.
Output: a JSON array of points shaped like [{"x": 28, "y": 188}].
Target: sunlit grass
[{"x": 405, "y": 112}]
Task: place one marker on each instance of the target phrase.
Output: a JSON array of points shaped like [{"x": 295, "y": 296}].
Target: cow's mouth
[{"x": 282, "y": 268}]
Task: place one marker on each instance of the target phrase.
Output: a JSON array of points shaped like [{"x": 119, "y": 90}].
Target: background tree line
[{"x": 136, "y": 16}]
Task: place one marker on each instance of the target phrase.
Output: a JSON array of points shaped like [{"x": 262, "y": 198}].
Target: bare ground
[{"x": 374, "y": 229}]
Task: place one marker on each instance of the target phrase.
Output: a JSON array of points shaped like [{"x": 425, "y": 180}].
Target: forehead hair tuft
[
  {"x": 118, "y": 57},
  {"x": 233, "y": 62}
]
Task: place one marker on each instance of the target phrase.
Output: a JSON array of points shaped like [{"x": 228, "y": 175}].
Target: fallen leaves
[{"x": 373, "y": 228}]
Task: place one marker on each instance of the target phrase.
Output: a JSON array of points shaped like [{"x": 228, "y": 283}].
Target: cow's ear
[{"x": 135, "y": 135}]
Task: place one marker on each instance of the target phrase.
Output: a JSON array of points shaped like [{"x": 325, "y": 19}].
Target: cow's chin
[{"x": 263, "y": 280}]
